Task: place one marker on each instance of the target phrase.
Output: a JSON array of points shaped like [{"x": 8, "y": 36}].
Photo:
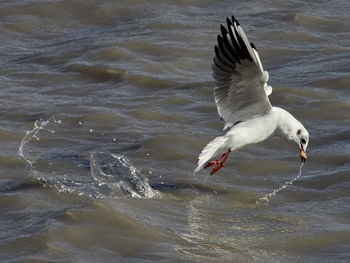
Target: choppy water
[{"x": 105, "y": 106}]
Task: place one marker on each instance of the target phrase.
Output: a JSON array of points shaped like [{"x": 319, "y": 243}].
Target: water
[
  {"x": 105, "y": 106},
  {"x": 266, "y": 198}
]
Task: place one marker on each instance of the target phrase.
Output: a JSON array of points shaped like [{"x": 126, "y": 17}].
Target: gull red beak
[{"x": 303, "y": 156}]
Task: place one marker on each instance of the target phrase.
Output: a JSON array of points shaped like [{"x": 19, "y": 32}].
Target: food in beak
[{"x": 303, "y": 155}]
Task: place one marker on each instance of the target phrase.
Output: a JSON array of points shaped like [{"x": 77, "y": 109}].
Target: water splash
[
  {"x": 30, "y": 135},
  {"x": 266, "y": 198},
  {"x": 101, "y": 175},
  {"x": 118, "y": 174},
  {"x": 47, "y": 179}
]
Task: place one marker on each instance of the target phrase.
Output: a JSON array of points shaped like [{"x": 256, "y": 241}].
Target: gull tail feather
[{"x": 213, "y": 148}]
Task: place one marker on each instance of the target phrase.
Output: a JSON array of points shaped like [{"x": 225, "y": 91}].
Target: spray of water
[
  {"x": 116, "y": 173},
  {"x": 266, "y": 198},
  {"x": 113, "y": 174},
  {"x": 33, "y": 134}
]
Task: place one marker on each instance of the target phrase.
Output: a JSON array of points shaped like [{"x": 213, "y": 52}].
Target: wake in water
[
  {"x": 58, "y": 165},
  {"x": 266, "y": 198}
]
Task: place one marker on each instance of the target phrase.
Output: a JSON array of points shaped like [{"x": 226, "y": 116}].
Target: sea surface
[{"x": 106, "y": 105}]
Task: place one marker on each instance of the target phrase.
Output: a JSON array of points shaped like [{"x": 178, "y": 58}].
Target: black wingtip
[
  {"x": 235, "y": 20},
  {"x": 223, "y": 30},
  {"x": 231, "y": 21},
  {"x": 224, "y": 33},
  {"x": 220, "y": 40},
  {"x": 228, "y": 21},
  {"x": 253, "y": 46},
  {"x": 216, "y": 50},
  {"x": 233, "y": 48}
]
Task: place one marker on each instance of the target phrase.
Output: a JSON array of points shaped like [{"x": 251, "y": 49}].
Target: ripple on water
[
  {"x": 147, "y": 114},
  {"x": 337, "y": 83},
  {"x": 97, "y": 72},
  {"x": 150, "y": 82},
  {"x": 316, "y": 23},
  {"x": 111, "y": 54}
]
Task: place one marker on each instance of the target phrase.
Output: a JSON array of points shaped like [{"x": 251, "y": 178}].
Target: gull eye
[{"x": 303, "y": 141}]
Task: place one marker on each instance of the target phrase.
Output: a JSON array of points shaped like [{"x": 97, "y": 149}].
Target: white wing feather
[{"x": 241, "y": 90}]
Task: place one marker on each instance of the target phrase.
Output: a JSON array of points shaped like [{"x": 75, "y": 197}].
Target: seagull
[{"x": 241, "y": 96}]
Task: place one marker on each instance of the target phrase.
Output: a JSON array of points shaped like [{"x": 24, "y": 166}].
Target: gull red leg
[
  {"x": 220, "y": 164},
  {"x": 212, "y": 163}
]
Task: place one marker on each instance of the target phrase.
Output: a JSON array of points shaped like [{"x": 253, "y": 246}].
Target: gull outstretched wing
[{"x": 241, "y": 90}]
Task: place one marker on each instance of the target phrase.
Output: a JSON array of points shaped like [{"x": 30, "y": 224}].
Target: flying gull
[{"x": 241, "y": 96}]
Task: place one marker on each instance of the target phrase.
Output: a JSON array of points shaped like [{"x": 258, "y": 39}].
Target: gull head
[
  {"x": 299, "y": 136},
  {"x": 302, "y": 140},
  {"x": 291, "y": 129}
]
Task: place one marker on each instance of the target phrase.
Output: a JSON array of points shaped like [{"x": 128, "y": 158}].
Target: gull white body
[
  {"x": 254, "y": 130},
  {"x": 241, "y": 95}
]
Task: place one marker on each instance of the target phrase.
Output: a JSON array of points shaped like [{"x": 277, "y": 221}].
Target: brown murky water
[{"x": 105, "y": 106}]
